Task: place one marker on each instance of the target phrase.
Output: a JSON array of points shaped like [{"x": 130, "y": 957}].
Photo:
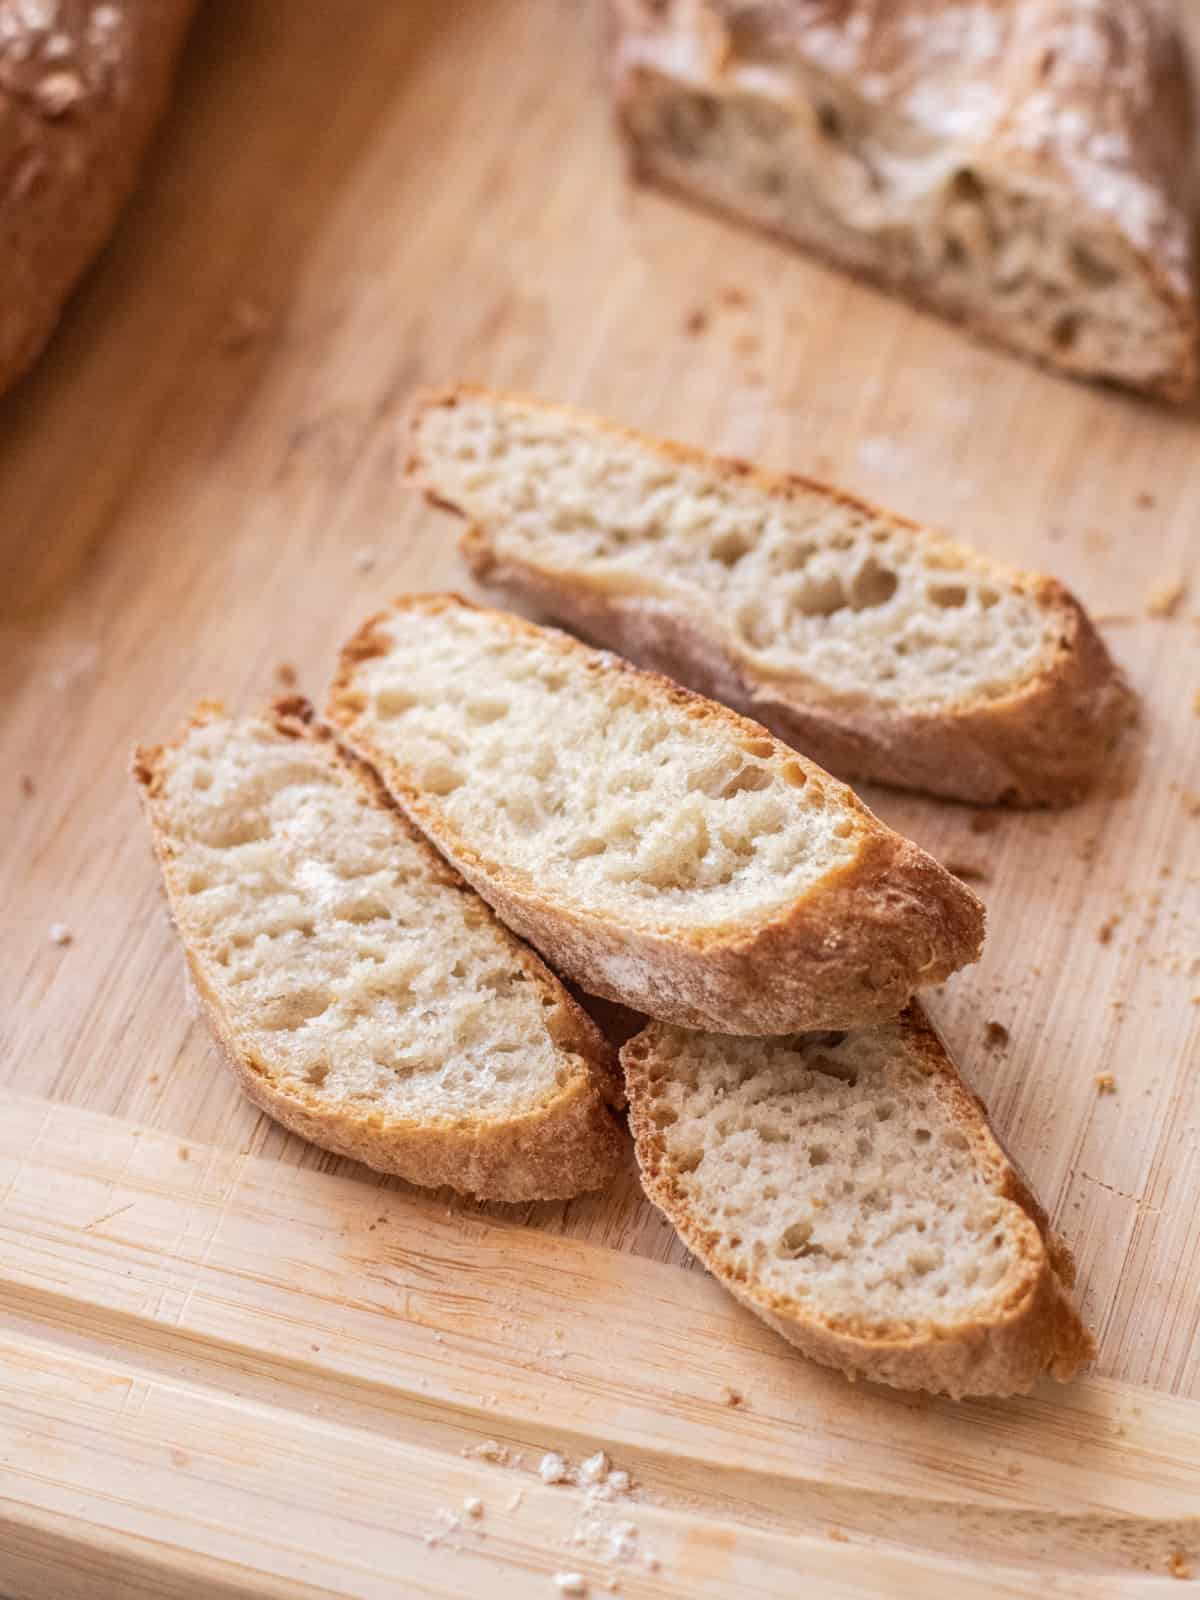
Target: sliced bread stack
[{"x": 353, "y": 895}]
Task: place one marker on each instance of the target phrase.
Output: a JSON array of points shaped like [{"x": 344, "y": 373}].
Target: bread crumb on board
[
  {"x": 60, "y": 934},
  {"x": 732, "y": 1397},
  {"x": 246, "y": 325},
  {"x": 58, "y": 92},
  {"x": 1105, "y": 1083},
  {"x": 29, "y": 788},
  {"x": 995, "y": 1036},
  {"x": 1146, "y": 501},
  {"x": 695, "y": 322},
  {"x": 1178, "y": 1565},
  {"x": 363, "y": 560},
  {"x": 837, "y": 1535},
  {"x": 734, "y": 297},
  {"x": 473, "y": 1506},
  {"x": 1163, "y": 599},
  {"x": 553, "y": 1468},
  {"x": 1195, "y": 710},
  {"x": 1108, "y": 927},
  {"x": 573, "y": 1583},
  {"x": 286, "y": 674}
]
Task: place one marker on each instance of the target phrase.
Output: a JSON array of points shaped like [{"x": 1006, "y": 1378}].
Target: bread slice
[
  {"x": 1023, "y": 169},
  {"x": 879, "y": 649},
  {"x": 363, "y": 995},
  {"x": 657, "y": 848},
  {"x": 847, "y": 1188}
]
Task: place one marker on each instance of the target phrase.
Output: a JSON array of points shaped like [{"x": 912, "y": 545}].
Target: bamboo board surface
[{"x": 199, "y": 484}]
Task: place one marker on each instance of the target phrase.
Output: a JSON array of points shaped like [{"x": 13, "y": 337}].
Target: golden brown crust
[
  {"x": 849, "y": 951},
  {"x": 79, "y": 98},
  {"x": 570, "y": 1144},
  {"x": 1045, "y": 743},
  {"x": 1107, "y": 132},
  {"x": 1030, "y": 1329}
]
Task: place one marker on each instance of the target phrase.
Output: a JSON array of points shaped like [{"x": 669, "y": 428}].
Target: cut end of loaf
[
  {"x": 365, "y": 996},
  {"x": 847, "y": 1188},
  {"x": 1025, "y": 199}
]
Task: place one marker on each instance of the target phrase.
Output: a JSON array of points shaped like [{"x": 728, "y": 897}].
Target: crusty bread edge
[
  {"x": 1177, "y": 385},
  {"x": 571, "y": 1144},
  {"x": 1044, "y": 744},
  {"x": 843, "y": 955},
  {"x": 1033, "y": 1328}
]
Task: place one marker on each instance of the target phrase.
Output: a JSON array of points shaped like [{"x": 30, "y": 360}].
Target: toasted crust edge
[
  {"x": 1035, "y": 1330},
  {"x": 1044, "y": 744},
  {"x": 570, "y": 1145},
  {"x": 850, "y": 951}
]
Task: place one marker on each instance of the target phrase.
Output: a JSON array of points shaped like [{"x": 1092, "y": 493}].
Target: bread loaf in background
[
  {"x": 1024, "y": 169},
  {"x": 82, "y": 85}
]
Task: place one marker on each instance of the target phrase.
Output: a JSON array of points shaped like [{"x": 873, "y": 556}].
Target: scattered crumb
[
  {"x": 968, "y": 871},
  {"x": 1014, "y": 1469},
  {"x": 618, "y": 1482},
  {"x": 734, "y": 297},
  {"x": 695, "y": 322},
  {"x": 184, "y": 1153},
  {"x": 1163, "y": 598},
  {"x": 1108, "y": 927},
  {"x": 153, "y": 1078},
  {"x": 1178, "y": 1565},
  {"x": 1191, "y": 803},
  {"x": 513, "y": 1503},
  {"x": 364, "y": 560},
  {"x": 1146, "y": 501},
  {"x": 473, "y": 1506},
  {"x": 489, "y": 1450},
  {"x": 314, "y": 1347},
  {"x": 984, "y": 821},
  {"x": 1105, "y": 1083},
  {"x": 285, "y": 672},
  {"x": 28, "y": 787},
  {"x": 570, "y": 1583},
  {"x": 732, "y": 1397},
  {"x": 1195, "y": 708},
  {"x": 552, "y": 1468},
  {"x": 653, "y": 1563},
  {"x": 995, "y": 1036},
  {"x": 747, "y": 344},
  {"x": 594, "y": 1469},
  {"x": 837, "y": 1535},
  {"x": 246, "y": 325},
  {"x": 60, "y": 934}
]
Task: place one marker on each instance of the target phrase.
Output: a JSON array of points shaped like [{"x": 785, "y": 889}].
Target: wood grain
[
  {"x": 199, "y": 483},
  {"x": 193, "y": 1351}
]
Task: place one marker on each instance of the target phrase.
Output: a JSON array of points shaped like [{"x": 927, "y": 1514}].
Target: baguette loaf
[
  {"x": 879, "y": 649},
  {"x": 363, "y": 995},
  {"x": 82, "y": 86},
  {"x": 847, "y": 1188},
  {"x": 657, "y": 848},
  {"x": 1021, "y": 168}
]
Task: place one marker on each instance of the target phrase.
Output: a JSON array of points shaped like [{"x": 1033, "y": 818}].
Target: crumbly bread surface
[
  {"x": 1022, "y": 167},
  {"x": 847, "y": 1188},
  {"x": 656, "y": 847},
  {"x": 874, "y": 645},
  {"x": 366, "y": 996}
]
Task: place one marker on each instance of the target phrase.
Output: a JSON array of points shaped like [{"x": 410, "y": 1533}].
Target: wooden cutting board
[{"x": 234, "y": 1366}]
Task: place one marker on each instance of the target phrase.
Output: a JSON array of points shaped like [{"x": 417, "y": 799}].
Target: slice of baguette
[
  {"x": 659, "y": 849},
  {"x": 879, "y": 649},
  {"x": 847, "y": 1188},
  {"x": 363, "y": 995}
]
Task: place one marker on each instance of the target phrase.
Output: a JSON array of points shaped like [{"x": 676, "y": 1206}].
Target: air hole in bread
[
  {"x": 483, "y": 712},
  {"x": 872, "y": 585},
  {"x": 393, "y": 702},
  {"x": 1065, "y": 331},
  {"x": 441, "y": 777},
  {"x": 947, "y": 596},
  {"x": 922, "y": 1135},
  {"x": 1090, "y": 268},
  {"x": 232, "y": 831},
  {"x": 829, "y": 120},
  {"x": 795, "y": 774},
  {"x": 730, "y": 548},
  {"x": 762, "y": 748},
  {"x": 818, "y": 1155}
]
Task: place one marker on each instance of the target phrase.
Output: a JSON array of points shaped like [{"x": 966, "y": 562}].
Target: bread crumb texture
[
  {"x": 360, "y": 973},
  {"x": 802, "y": 579},
  {"x": 594, "y": 784},
  {"x": 1164, "y": 598}
]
